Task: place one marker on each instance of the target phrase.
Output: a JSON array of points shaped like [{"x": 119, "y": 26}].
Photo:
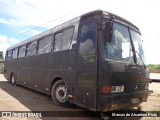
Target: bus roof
[
  {"x": 72, "y": 22},
  {"x": 93, "y": 13},
  {"x": 48, "y": 32}
]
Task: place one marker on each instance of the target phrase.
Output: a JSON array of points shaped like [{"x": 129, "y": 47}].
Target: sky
[{"x": 22, "y": 19}]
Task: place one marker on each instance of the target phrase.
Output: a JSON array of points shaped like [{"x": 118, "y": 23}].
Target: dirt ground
[{"x": 18, "y": 98}]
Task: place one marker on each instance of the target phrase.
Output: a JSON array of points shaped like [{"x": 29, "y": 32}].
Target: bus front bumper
[{"x": 118, "y": 101}]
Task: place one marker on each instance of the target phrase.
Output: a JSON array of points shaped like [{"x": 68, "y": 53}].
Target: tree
[{"x": 1, "y": 55}]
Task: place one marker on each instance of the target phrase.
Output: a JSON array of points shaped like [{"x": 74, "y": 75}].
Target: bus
[{"x": 95, "y": 61}]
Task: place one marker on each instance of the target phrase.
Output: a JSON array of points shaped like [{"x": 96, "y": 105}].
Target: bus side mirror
[{"x": 107, "y": 32}]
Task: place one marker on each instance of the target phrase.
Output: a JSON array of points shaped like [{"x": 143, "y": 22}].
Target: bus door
[{"x": 86, "y": 81}]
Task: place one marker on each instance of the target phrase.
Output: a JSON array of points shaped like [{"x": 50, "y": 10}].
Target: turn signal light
[{"x": 106, "y": 89}]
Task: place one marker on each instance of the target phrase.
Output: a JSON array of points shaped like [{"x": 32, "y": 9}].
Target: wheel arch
[
  {"x": 55, "y": 79},
  {"x": 11, "y": 76}
]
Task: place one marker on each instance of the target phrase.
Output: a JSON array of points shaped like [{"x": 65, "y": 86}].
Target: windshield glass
[
  {"x": 136, "y": 38},
  {"x": 119, "y": 49}
]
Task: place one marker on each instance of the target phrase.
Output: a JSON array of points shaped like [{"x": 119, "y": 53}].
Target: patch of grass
[{"x": 157, "y": 66}]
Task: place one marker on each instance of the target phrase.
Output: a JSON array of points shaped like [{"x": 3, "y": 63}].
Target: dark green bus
[{"x": 95, "y": 61}]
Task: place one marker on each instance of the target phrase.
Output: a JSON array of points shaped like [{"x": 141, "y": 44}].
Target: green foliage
[
  {"x": 154, "y": 66},
  {"x": 1, "y": 55}
]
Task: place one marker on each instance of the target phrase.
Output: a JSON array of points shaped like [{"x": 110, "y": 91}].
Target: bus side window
[
  {"x": 15, "y": 52},
  {"x": 22, "y": 51},
  {"x": 9, "y": 54},
  {"x": 45, "y": 45},
  {"x": 58, "y": 42},
  {"x": 63, "y": 39},
  {"x": 87, "y": 46},
  {"x": 67, "y": 38},
  {"x": 32, "y": 48}
]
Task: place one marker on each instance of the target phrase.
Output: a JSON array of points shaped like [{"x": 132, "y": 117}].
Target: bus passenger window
[
  {"x": 15, "y": 52},
  {"x": 67, "y": 38},
  {"x": 87, "y": 47},
  {"x": 63, "y": 39},
  {"x": 22, "y": 51},
  {"x": 9, "y": 54},
  {"x": 58, "y": 42},
  {"x": 45, "y": 45},
  {"x": 32, "y": 48}
]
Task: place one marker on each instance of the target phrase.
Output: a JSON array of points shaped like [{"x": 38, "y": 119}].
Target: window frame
[
  {"x": 41, "y": 39},
  {"x": 61, "y": 31},
  {"x": 142, "y": 47},
  {"x": 15, "y": 49},
  {"x": 130, "y": 41},
  {"x": 9, "y": 57},
  {"x": 19, "y": 50},
  {"x": 96, "y": 37},
  {"x": 26, "y": 54}
]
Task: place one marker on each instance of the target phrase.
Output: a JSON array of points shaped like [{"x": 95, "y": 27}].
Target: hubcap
[
  {"x": 61, "y": 93},
  {"x": 13, "y": 79}
]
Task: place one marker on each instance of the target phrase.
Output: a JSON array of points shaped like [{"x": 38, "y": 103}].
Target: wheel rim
[
  {"x": 61, "y": 93},
  {"x": 13, "y": 79}
]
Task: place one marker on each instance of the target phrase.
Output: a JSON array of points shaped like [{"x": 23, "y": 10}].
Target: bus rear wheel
[
  {"x": 59, "y": 93},
  {"x": 13, "y": 79}
]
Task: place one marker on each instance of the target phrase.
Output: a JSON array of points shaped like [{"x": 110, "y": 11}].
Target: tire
[
  {"x": 13, "y": 79},
  {"x": 59, "y": 94}
]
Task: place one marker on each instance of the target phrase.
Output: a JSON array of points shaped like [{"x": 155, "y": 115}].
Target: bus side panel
[
  {"x": 63, "y": 66},
  {"x": 42, "y": 75}
]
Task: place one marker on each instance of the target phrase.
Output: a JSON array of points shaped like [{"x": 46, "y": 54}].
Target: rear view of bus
[{"x": 123, "y": 76}]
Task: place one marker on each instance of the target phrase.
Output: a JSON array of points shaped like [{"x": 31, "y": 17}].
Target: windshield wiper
[
  {"x": 134, "y": 58},
  {"x": 134, "y": 53},
  {"x": 130, "y": 63},
  {"x": 141, "y": 59}
]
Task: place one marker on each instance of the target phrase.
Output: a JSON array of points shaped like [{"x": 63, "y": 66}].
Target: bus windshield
[
  {"x": 120, "y": 48},
  {"x": 136, "y": 38}
]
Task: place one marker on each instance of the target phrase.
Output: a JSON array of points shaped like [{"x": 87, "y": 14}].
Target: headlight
[
  {"x": 112, "y": 89},
  {"x": 117, "y": 89}
]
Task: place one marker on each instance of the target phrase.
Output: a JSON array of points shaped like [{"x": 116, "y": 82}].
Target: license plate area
[{"x": 135, "y": 100}]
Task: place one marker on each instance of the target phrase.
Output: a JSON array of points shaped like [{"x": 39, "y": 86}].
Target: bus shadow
[
  {"x": 36, "y": 101},
  {"x": 31, "y": 98}
]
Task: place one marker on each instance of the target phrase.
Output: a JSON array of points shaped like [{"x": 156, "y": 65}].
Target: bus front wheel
[{"x": 59, "y": 93}]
